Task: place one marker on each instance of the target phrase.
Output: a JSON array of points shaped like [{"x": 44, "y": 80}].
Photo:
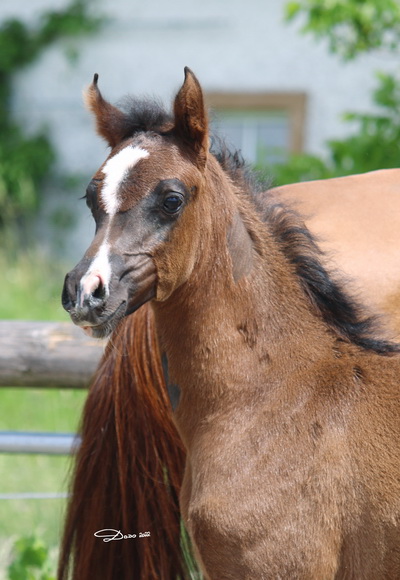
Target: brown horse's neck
[{"x": 235, "y": 328}]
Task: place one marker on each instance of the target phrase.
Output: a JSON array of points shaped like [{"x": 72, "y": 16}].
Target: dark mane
[
  {"x": 142, "y": 115},
  {"x": 342, "y": 312},
  {"x": 339, "y": 310},
  {"x": 241, "y": 173}
]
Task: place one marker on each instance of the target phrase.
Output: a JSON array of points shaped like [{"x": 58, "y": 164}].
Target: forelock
[{"x": 145, "y": 115}]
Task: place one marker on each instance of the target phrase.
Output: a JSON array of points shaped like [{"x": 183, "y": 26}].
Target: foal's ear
[
  {"x": 110, "y": 121},
  {"x": 191, "y": 122}
]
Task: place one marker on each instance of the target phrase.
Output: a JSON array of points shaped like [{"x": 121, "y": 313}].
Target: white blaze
[
  {"x": 115, "y": 170},
  {"x": 100, "y": 266}
]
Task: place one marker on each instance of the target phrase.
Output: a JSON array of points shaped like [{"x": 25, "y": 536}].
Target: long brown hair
[{"x": 128, "y": 468}]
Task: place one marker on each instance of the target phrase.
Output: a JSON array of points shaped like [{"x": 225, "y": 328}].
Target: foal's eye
[
  {"x": 91, "y": 195},
  {"x": 172, "y": 202}
]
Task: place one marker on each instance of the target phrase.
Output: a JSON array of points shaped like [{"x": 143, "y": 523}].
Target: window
[{"x": 265, "y": 127}]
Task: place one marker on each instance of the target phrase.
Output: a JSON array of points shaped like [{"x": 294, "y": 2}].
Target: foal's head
[{"x": 143, "y": 199}]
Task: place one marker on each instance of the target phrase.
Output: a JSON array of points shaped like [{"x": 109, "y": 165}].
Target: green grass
[
  {"x": 31, "y": 289},
  {"x": 35, "y": 410},
  {"x": 31, "y": 286}
]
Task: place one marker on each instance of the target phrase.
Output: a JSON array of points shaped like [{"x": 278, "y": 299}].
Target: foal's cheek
[
  {"x": 170, "y": 275},
  {"x": 173, "y": 269},
  {"x": 166, "y": 277}
]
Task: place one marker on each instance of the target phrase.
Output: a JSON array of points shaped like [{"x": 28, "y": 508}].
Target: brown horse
[
  {"x": 287, "y": 406},
  {"x": 357, "y": 221}
]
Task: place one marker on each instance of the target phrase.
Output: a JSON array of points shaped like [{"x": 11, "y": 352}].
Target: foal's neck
[{"x": 241, "y": 322}]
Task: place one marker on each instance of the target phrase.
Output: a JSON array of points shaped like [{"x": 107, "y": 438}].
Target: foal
[{"x": 288, "y": 409}]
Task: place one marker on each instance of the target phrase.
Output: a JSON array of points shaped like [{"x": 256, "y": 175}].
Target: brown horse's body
[
  {"x": 357, "y": 221},
  {"x": 289, "y": 411}
]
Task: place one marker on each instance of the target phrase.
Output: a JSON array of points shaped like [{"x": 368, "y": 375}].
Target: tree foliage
[
  {"x": 374, "y": 144},
  {"x": 351, "y": 26},
  {"x": 26, "y": 160}
]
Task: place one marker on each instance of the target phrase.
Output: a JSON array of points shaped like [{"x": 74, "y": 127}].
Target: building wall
[{"x": 233, "y": 45}]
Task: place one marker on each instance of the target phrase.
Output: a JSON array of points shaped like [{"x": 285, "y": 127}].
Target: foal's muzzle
[
  {"x": 97, "y": 306},
  {"x": 85, "y": 302}
]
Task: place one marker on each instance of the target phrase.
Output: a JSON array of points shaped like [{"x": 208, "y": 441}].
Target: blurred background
[{"x": 305, "y": 89}]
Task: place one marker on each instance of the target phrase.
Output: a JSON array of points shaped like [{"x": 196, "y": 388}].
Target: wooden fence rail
[{"x": 46, "y": 354}]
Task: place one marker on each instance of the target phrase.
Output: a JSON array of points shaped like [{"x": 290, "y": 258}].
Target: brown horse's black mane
[
  {"x": 339, "y": 310},
  {"x": 144, "y": 115}
]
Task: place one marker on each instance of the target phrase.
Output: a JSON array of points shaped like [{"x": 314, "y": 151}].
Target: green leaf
[
  {"x": 30, "y": 561},
  {"x": 291, "y": 10}
]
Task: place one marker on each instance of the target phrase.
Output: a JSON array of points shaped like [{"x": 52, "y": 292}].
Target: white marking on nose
[
  {"x": 90, "y": 285},
  {"x": 100, "y": 268},
  {"x": 115, "y": 171}
]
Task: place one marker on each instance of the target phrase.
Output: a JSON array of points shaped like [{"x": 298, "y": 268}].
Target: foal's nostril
[
  {"x": 84, "y": 297},
  {"x": 100, "y": 292},
  {"x": 93, "y": 291},
  {"x": 65, "y": 300},
  {"x": 67, "y": 297}
]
